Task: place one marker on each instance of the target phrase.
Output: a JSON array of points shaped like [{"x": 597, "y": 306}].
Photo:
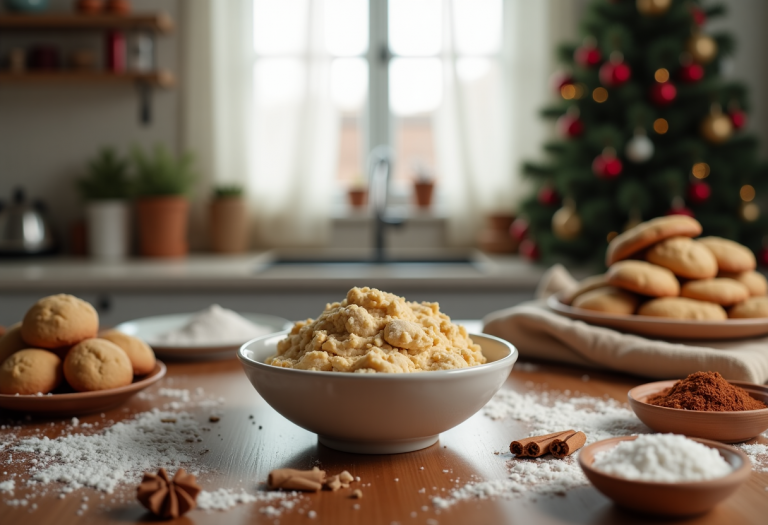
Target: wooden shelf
[
  {"x": 160, "y": 23},
  {"x": 153, "y": 78}
]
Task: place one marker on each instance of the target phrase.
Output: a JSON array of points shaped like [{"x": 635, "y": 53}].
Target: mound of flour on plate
[{"x": 213, "y": 326}]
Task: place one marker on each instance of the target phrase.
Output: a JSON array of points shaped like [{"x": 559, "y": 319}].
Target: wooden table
[{"x": 242, "y": 451}]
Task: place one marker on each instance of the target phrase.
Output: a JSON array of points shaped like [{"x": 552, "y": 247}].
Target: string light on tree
[
  {"x": 660, "y": 126},
  {"x": 749, "y": 211},
  {"x": 639, "y": 148},
  {"x": 661, "y": 75},
  {"x": 615, "y": 72},
  {"x": 700, "y": 170},
  {"x": 561, "y": 79},
  {"x": 566, "y": 223},
  {"x": 600, "y": 95},
  {"x": 703, "y": 48},
  {"x": 716, "y": 128},
  {"x": 653, "y": 7},
  {"x": 607, "y": 165}
]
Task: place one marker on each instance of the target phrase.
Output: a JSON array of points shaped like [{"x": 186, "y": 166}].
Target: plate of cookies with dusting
[
  {"x": 56, "y": 362},
  {"x": 665, "y": 281}
]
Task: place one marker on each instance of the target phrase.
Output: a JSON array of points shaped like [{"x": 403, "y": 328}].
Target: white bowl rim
[{"x": 486, "y": 367}]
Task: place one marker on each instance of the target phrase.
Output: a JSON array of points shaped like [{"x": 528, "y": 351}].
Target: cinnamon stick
[
  {"x": 520, "y": 447},
  {"x": 567, "y": 444},
  {"x": 291, "y": 479}
]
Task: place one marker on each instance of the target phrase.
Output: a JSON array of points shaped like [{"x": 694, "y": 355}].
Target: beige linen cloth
[{"x": 540, "y": 333}]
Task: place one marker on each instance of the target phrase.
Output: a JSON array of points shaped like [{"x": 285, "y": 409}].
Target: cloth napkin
[{"x": 540, "y": 333}]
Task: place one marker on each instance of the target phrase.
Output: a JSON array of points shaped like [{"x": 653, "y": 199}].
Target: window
[{"x": 387, "y": 63}]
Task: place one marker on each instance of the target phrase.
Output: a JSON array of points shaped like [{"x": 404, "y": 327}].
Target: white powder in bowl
[
  {"x": 666, "y": 458},
  {"x": 213, "y": 326}
]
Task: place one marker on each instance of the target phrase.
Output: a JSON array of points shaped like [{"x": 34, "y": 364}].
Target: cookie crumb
[
  {"x": 214, "y": 419},
  {"x": 357, "y": 494}
]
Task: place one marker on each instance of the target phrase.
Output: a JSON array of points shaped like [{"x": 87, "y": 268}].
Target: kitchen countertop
[
  {"x": 254, "y": 271},
  {"x": 239, "y": 452}
]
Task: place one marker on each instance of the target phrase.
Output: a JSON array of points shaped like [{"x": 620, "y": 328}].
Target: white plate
[
  {"x": 148, "y": 328},
  {"x": 662, "y": 328}
]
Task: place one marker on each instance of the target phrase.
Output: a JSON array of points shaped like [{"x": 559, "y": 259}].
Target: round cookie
[
  {"x": 755, "y": 282},
  {"x": 723, "y": 291},
  {"x": 731, "y": 256},
  {"x": 683, "y": 308},
  {"x": 582, "y": 287},
  {"x": 11, "y": 342},
  {"x": 59, "y": 320},
  {"x": 643, "y": 278},
  {"x": 97, "y": 364},
  {"x": 648, "y": 233},
  {"x": 609, "y": 300},
  {"x": 141, "y": 355},
  {"x": 751, "y": 308},
  {"x": 30, "y": 371},
  {"x": 685, "y": 257}
]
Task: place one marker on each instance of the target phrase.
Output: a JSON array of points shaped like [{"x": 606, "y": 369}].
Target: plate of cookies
[
  {"x": 55, "y": 361},
  {"x": 664, "y": 281}
]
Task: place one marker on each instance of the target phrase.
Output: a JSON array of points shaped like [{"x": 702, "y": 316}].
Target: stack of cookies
[
  {"x": 659, "y": 268},
  {"x": 57, "y": 341}
]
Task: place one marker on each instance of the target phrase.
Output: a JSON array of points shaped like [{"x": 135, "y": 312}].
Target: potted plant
[
  {"x": 106, "y": 189},
  {"x": 162, "y": 184},
  {"x": 228, "y": 220},
  {"x": 358, "y": 193}
]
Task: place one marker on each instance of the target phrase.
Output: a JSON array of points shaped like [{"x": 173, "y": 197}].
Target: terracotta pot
[
  {"x": 162, "y": 226},
  {"x": 424, "y": 192},
  {"x": 229, "y": 225},
  {"x": 495, "y": 236},
  {"x": 358, "y": 197}
]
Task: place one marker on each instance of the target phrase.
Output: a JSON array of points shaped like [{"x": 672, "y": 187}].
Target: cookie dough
[
  {"x": 11, "y": 342},
  {"x": 755, "y": 282},
  {"x": 731, "y": 256},
  {"x": 141, "y": 355},
  {"x": 685, "y": 257},
  {"x": 751, "y": 308},
  {"x": 97, "y": 364},
  {"x": 643, "y": 278},
  {"x": 373, "y": 331},
  {"x": 608, "y": 300},
  {"x": 723, "y": 291},
  {"x": 30, "y": 371},
  {"x": 648, "y": 233},
  {"x": 59, "y": 320},
  {"x": 683, "y": 308}
]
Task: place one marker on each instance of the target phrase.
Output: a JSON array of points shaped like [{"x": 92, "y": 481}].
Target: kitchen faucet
[{"x": 380, "y": 163}]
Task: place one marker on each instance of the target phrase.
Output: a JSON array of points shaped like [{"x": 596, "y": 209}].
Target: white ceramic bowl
[{"x": 377, "y": 413}]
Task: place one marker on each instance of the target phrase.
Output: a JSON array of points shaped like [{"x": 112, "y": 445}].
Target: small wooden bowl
[
  {"x": 727, "y": 427},
  {"x": 666, "y": 499}
]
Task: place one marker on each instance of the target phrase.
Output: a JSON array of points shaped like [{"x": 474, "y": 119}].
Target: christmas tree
[{"x": 647, "y": 127}]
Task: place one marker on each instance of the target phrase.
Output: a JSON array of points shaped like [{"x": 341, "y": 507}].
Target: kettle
[{"x": 24, "y": 228}]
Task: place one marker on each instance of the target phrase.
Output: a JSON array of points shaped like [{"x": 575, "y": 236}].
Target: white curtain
[
  {"x": 489, "y": 122},
  {"x": 267, "y": 124}
]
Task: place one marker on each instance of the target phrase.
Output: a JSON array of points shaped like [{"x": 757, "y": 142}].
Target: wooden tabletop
[{"x": 242, "y": 450}]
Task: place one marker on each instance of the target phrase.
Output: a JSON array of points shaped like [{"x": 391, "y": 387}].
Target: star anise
[{"x": 166, "y": 497}]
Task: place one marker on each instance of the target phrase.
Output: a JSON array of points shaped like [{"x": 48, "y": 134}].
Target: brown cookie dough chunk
[
  {"x": 731, "y": 256},
  {"x": 97, "y": 364},
  {"x": 609, "y": 300},
  {"x": 683, "y": 308},
  {"x": 643, "y": 278},
  {"x": 751, "y": 308},
  {"x": 723, "y": 291},
  {"x": 30, "y": 371},
  {"x": 685, "y": 257},
  {"x": 585, "y": 285},
  {"x": 755, "y": 282},
  {"x": 649, "y": 233},
  {"x": 141, "y": 355},
  {"x": 11, "y": 342},
  {"x": 59, "y": 320}
]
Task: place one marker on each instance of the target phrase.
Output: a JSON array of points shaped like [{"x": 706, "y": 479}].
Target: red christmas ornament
[
  {"x": 699, "y": 17},
  {"x": 529, "y": 250},
  {"x": 570, "y": 126},
  {"x": 681, "y": 211},
  {"x": 518, "y": 230},
  {"x": 606, "y": 165},
  {"x": 738, "y": 118},
  {"x": 764, "y": 256},
  {"x": 560, "y": 79},
  {"x": 587, "y": 56},
  {"x": 614, "y": 74},
  {"x": 691, "y": 73},
  {"x": 663, "y": 93},
  {"x": 699, "y": 192},
  {"x": 548, "y": 196}
]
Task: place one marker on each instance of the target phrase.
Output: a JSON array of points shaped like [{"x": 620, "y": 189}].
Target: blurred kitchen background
[{"x": 188, "y": 152}]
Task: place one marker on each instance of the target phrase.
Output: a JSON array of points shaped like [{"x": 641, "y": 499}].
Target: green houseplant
[
  {"x": 106, "y": 188},
  {"x": 228, "y": 216},
  {"x": 163, "y": 182}
]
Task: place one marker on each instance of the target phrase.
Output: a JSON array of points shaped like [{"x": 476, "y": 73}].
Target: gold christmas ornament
[
  {"x": 716, "y": 127},
  {"x": 749, "y": 211},
  {"x": 566, "y": 223},
  {"x": 702, "y": 48},
  {"x": 653, "y": 7}
]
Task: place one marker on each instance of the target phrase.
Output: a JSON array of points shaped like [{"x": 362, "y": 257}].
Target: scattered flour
[
  {"x": 6, "y": 487},
  {"x": 758, "y": 454},
  {"x": 213, "y": 326}
]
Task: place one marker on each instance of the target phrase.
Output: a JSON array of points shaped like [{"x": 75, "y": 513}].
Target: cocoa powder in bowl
[{"x": 705, "y": 391}]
